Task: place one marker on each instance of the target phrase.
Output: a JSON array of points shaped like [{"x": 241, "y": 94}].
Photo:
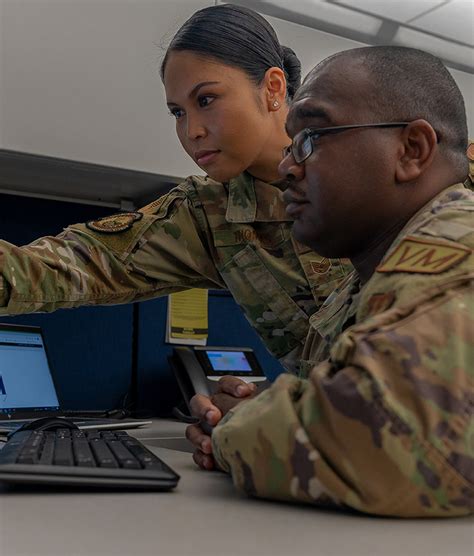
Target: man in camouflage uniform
[
  {"x": 203, "y": 234},
  {"x": 383, "y": 424}
]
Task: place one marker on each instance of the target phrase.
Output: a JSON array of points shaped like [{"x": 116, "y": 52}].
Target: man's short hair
[{"x": 411, "y": 84}]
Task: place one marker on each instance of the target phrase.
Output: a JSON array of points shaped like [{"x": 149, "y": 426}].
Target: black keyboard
[{"x": 110, "y": 459}]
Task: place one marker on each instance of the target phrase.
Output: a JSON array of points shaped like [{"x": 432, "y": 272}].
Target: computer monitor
[{"x": 26, "y": 381}]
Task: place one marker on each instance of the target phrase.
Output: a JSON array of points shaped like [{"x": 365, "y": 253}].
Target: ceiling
[
  {"x": 443, "y": 27},
  {"x": 452, "y": 20}
]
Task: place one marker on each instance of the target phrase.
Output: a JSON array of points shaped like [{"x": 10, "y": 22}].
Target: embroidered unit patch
[
  {"x": 427, "y": 257},
  {"x": 321, "y": 267},
  {"x": 380, "y": 302},
  {"x": 115, "y": 223},
  {"x": 470, "y": 152}
]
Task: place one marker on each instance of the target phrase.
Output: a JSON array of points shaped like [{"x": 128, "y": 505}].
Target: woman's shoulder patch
[{"x": 114, "y": 224}]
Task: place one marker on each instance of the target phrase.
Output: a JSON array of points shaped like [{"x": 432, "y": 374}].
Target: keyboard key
[
  {"x": 63, "y": 452},
  {"x": 47, "y": 454},
  {"x": 83, "y": 454},
  {"x": 103, "y": 454},
  {"x": 144, "y": 456},
  {"x": 27, "y": 458},
  {"x": 124, "y": 456}
]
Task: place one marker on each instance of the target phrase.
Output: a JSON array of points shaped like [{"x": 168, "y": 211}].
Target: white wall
[
  {"x": 465, "y": 82},
  {"x": 312, "y": 46},
  {"x": 79, "y": 79}
]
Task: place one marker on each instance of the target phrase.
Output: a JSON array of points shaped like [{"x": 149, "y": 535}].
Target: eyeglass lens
[{"x": 303, "y": 147}]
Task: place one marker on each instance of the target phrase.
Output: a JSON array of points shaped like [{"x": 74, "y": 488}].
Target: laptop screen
[{"x": 26, "y": 383}]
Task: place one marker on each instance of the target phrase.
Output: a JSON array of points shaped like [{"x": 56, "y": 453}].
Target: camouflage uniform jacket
[
  {"x": 202, "y": 234},
  {"x": 385, "y": 425},
  {"x": 470, "y": 156}
]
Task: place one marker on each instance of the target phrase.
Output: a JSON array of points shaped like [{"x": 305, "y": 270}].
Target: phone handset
[
  {"x": 189, "y": 373},
  {"x": 198, "y": 370}
]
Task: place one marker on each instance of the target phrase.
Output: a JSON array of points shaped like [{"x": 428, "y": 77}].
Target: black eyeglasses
[{"x": 302, "y": 145}]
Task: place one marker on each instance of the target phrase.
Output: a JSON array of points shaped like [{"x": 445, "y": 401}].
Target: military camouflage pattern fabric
[
  {"x": 470, "y": 156},
  {"x": 203, "y": 234},
  {"x": 385, "y": 424}
]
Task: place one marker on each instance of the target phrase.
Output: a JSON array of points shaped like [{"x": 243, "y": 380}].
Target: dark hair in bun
[
  {"x": 238, "y": 37},
  {"x": 292, "y": 68}
]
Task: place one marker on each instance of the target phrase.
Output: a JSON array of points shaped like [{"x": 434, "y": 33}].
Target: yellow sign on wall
[{"x": 188, "y": 317}]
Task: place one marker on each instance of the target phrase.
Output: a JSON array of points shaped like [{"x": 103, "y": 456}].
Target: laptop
[{"x": 27, "y": 389}]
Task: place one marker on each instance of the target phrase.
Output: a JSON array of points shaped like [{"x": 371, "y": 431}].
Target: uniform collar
[
  {"x": 242, "y": 206},
  {"x": 453, "y": 193},
  {"x": 329, "y": 320},
  {"x": 252, "y": 200}
]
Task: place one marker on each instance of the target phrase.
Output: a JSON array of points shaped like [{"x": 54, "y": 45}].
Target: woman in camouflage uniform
[{"x": 227, "y": 82}]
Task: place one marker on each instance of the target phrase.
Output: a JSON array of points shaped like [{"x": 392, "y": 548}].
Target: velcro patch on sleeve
[
  {"x": 470, "y": 151},
  {"x": 423, "y": 256},
  {"x": 114, "y": 224},
  {"x": 380, "y": 302},
  {"x": 321, "y": 266}
]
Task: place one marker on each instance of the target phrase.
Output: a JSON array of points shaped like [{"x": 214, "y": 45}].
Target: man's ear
[
  {"x": 274, "y": 84},
  {"x": 418, "y": 148}
]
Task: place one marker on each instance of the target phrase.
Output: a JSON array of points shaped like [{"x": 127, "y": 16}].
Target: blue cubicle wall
[
  {"x": 91, "y": 347},
  {"x": 90, "y": 351}
]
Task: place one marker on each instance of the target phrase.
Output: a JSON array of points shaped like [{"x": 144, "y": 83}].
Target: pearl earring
[{"x": 276, "y": 104}]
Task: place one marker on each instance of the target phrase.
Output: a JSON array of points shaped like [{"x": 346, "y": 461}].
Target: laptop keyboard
[{"x": 94, "y": 458}]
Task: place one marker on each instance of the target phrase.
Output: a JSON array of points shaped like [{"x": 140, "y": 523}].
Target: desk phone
[{"x": 198, "y": 369}]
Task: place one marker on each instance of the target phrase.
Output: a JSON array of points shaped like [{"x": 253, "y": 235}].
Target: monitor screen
[
  {"x": 25, "y": 376},
  {"x": 229, "y": 361},
  {"x": 220, "y": 361}
]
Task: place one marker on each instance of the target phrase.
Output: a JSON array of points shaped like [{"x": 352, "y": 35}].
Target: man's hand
[{"x": 230, "y": 392}]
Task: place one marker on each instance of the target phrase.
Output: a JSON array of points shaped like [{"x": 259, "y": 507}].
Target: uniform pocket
[
  {"x": 271, "y": 292},
  {"x": 261, "y": 270},
  {"x": 281, "y": 324}
]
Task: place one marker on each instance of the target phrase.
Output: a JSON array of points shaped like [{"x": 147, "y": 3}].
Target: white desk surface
[{"x": 206, "y": 516}]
